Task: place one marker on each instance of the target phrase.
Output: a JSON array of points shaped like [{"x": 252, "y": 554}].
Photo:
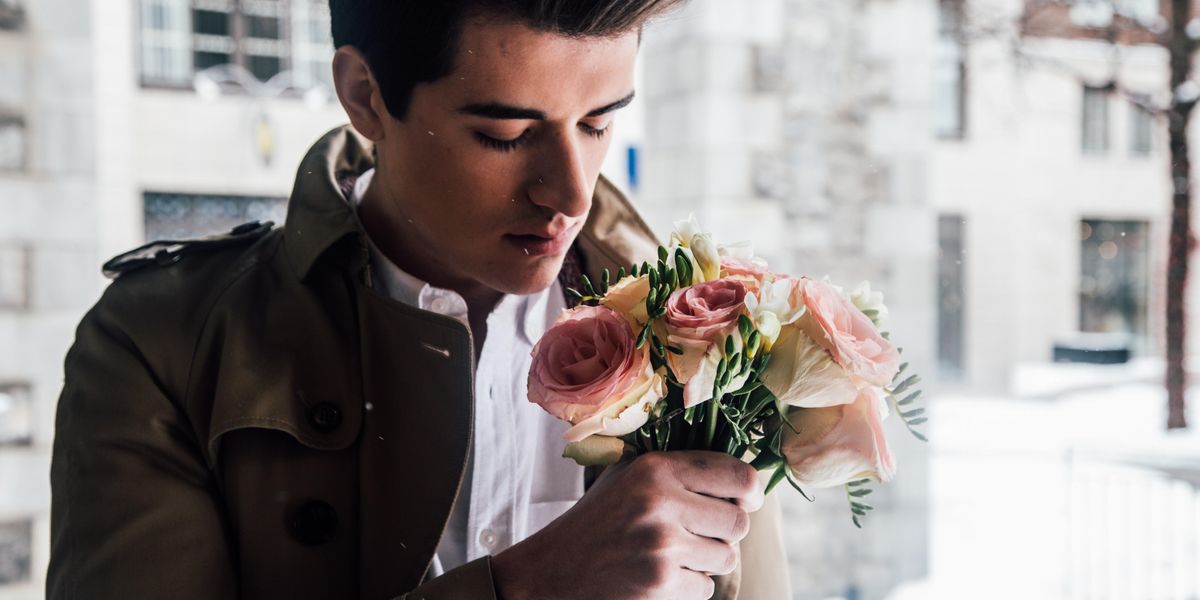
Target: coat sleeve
[
  {"x": 472, "y": 580},
  {"x": 764, "y": 565},
  {"x": 133, "y": 507}
]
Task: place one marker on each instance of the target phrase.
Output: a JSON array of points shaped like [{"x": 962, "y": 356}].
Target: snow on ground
[{"x": 1070, "y": 488}]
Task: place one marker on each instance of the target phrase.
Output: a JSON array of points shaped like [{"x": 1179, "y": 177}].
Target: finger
[
  {"x": 690, "y": 585},
  {"x": 718, "y": 475},
  {"x": 714, "y": 518},
  {"x": 709, "y": 556}
]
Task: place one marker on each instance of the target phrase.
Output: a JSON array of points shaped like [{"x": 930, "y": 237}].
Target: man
[{"x": 335, "y": 409}]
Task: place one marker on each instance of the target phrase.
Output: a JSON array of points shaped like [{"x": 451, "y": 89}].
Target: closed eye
[{"x": 499, "y": 144}]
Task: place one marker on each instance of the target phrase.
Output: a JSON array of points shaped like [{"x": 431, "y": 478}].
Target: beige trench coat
[{"x": 212, "y": 440}]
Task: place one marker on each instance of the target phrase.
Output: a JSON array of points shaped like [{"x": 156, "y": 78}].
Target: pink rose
[
  {"x": 697, "y": 320},
  {"x": 849, "y": 336},
  {"x": 588, "y": 371},
  {"x": 752, "y": 273},
  {"x": 839, "y": 444}
]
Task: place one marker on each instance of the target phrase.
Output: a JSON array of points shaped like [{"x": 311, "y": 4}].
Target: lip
[{"x": 543, "y": 242}]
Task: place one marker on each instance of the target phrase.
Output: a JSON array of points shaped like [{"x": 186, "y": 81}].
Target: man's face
[{"x": 489, "y": 177}]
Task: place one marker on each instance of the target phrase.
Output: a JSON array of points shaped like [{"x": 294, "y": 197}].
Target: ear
[{"x": 358, "y": 92}]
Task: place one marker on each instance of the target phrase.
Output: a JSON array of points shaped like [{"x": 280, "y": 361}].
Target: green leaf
[
  {"x": 653, "y": 279},
  {"x": 729, "y": 347},
  {"x": 779, "y": 475},
  {"x": 652, "y": 299},
  {"x": 796, "y": 487},
  {"x": 909, "y": 398},
  {"x": 604, "y": 281},
  {"x": 916, "y": 412},
  {"x": 856, "y": 523},
  {"x": 918, "y": 435},
  {"x": 861, "y": 506},
  {"x": 859, "y": 482},
  {"x": 662, "y": 254},
  {"x": 860, "y": 493},
  {"x": 675, "y": 350},
  {"x": 885, "y": 334},
  {"x": 575, "y": 295},
  {"x": 587, "y": 285},
  {"x": 903, "y": 366},
  {"x": 904, "y": 385},
  {"x": 662, "y": 270},
  {"x": 858, "y": 511},
  {"x": 917, "y": 421},
  {"x": 871, "y": 313},
  {"x": 620, "y": 274}
]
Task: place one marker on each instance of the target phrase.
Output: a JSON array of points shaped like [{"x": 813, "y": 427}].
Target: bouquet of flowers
[{"x": 710, "y": 350}]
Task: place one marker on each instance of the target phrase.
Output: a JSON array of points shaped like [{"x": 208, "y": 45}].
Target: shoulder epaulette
[{"x": 168, "y": 252}]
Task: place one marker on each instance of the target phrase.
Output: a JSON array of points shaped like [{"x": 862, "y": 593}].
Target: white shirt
[{"x": 516, "y": 480}]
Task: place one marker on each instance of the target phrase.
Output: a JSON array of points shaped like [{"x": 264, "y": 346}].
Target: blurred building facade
[
  {"x": 986, "y": 181},
  {"x": 986, "y": 176},
  {"x": 1052, "y": 180},
  {"x": 805, "y": 127},
  {"x": 120, "y": 123}
]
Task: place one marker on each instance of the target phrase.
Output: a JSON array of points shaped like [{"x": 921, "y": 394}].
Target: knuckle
[
  {"x": 740, "y": 527},
  {"x": 729, "y": 560},
  {"x": 746, "y": 478}
]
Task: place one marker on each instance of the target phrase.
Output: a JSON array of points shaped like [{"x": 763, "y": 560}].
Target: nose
[{"x": 562, "y": 183}]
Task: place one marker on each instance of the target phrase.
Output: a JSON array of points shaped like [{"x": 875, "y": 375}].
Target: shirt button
[{"x": 487, "y": 539}]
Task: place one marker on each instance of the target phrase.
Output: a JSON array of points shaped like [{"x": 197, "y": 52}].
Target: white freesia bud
[
  {"x": 699, "y": 249},
  {"x": 864, "y": 299},
  {"x": 777, "y": 304}
]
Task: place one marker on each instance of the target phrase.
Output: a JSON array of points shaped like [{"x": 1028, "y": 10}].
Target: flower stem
[{"x": 711, "y": 424}]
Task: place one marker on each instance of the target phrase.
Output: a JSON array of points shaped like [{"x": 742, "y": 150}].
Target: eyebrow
[{"x": 495, "y": 110}]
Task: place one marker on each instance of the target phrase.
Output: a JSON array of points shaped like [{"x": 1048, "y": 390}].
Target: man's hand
[{"x": 655, "y": 527}]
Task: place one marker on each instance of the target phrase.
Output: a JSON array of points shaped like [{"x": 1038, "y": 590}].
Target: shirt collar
[{"x": 531, "y": 313}]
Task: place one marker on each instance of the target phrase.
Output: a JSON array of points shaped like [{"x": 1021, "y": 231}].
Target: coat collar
[{"x": 319, "y": 216}]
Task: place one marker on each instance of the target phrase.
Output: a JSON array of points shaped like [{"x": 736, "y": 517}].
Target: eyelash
[{"x": 510, "y": 145}]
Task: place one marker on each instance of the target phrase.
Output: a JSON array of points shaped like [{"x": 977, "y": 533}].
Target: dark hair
[{"x": 407, "y": 42}]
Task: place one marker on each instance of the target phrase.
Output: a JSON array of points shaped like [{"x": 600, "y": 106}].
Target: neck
[{"x": 382, "y": 225}]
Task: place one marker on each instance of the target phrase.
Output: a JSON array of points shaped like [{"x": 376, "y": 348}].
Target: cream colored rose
[
  {"x": 628, "y": 297},
  {"x": 801, "y": 373}
]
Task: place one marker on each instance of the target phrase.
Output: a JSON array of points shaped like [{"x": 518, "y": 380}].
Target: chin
[{"x": 528, "y": 280}]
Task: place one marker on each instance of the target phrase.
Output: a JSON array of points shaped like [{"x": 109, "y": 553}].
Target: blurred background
[{"x": 1001, "y": 169}]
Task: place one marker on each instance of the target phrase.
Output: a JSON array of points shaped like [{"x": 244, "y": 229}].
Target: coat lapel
[{"x": 418, "y": 381}]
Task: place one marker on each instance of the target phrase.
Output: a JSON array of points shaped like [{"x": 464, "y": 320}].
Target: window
[
  {"x": 266, "y": 37},
  {"x": 951, "y": 295},
  {"x": 1100, "y": 13},
  {"x": 165, "y": 42},
  {"x": 12, "y": 15},
  {"x": 1141, "y": 131},
  {"x": 1095, "y": 120},
  {"x": 13, "y": 141},
  {"x": 1114, "y": 276},
  {"x": 949, "y": 72},
  {"x": 311, "y": 43},
  {"x": 16, "y": 551},
  {"x": 181, "y": 216},
  {"x": 14, "y": 276},
  {"x": 16, "y": 415}
]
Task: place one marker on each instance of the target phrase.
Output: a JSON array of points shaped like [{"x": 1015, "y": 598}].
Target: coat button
[
  {"x": 312, "y": 523},
  {"x": 325, "y": 417}
]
